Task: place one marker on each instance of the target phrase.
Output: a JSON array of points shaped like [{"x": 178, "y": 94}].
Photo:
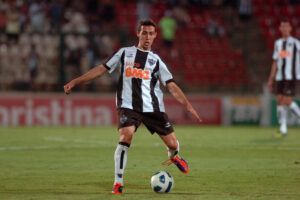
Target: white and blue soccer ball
[{"x": 162, "y": 182}]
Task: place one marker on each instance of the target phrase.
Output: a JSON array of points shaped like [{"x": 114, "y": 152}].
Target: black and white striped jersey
[
  {"x": 287, "y": 54},
  {"x": 140, "y": 75}
]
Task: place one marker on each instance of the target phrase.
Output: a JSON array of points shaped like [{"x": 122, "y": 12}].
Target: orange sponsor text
[
  {"x": 133, "y": 64},
  {"x": 137, "y": 73},
  {"x": 284, "y": 54}
]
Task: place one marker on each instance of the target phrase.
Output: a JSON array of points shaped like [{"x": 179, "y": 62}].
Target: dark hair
[
  {"x": 146, "y": 22},
  {"x": 284, "y": 20}
]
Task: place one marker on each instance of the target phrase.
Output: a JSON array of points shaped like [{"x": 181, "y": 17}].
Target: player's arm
[
  {"x": 90, "y": 75},
  {"x": 179, "y": 96},
  {"x": 272, "y": 75}
]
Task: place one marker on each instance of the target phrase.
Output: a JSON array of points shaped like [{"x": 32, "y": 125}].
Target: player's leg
[
  {"x": 120, "y": 156},
  {"x": 173, "y": 149},
  {"x": 172, "y": 144},
  {"x": 158, "y": 122},
  {"x": 282, "y": 114},
  {"x": 295, "y": 109},
  {"x": 288, "y": 100},
  {"x": 280, "y": 107},
  {"x": 128, "y": 123}
]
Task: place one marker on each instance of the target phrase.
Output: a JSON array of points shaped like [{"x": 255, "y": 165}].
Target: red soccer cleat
[
  {"x": 117, "y": 188},
  {"x": 179, "y": 162}
]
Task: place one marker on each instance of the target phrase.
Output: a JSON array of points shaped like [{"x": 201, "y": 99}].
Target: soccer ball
[{"x": 162, "y": 182}]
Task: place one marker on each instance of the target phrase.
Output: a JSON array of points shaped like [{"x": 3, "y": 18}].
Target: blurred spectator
[
  {"x": 214, "y": 29},
  {"x": 37, "y": 16},
  {"x": 6, "y": 72},
  {"x": 73, "y": 56},
  {"x": 3, "y": 20},
  {"x": 55, "y": 12},
  {"x": 23, "y": 16},
  {"x": 33, "y": 65},
  {"x": 21, "y": 70},
  {"x": 76, "y": 22},
  {"x": 245, "y": 9},
  {"x": 107, "y": 13},
  {"x": 143, "y": 9},
  {"x": 171, "y": 3},
  {"x": 181, "y": 16},
  {"x": 13, "y": 24},
  {"x": 92, "y": 14},
  {"x": 168, "y": 27}
]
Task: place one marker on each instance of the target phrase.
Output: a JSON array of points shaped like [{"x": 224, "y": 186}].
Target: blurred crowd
[{"x": 44, "y": 43}]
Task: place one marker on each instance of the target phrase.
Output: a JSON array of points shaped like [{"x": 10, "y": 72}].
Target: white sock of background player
[
  {"x": 295, "y": 109},
  {"x": 283, "y": 119}
]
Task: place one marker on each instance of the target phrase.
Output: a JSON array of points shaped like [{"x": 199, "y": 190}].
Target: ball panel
[
  {"x": 162, "y": 178},
  {"x": 157, "y": 188},
  {"x": 169, "y": 187}
]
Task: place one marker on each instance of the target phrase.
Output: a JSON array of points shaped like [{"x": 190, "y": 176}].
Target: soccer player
[
  {"x": 139, "y": 97},
  {"x": 285, "y": 70}
]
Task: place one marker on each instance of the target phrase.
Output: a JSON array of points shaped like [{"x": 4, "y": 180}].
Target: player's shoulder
[
  {"x": 279, "y": 40},
  {"x": 126, "y": 49},
  {"x": 293, "y": 39},
  {"x": 296, "y": 40},
  {"x": 155, "y": 56}
]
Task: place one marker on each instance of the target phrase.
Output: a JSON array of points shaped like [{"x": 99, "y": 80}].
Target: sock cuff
[{"x": 124, "y": 144}]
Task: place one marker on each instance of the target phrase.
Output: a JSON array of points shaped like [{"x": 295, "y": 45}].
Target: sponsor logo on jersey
[
  {"x": 137, "y": 73},
  {"x": 284, "y": 54},
  {"x": 133, "y": 64},
  {"x": 151, "y": 61}
]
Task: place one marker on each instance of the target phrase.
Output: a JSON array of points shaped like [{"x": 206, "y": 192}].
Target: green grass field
[{"x": 74, "y": 163}]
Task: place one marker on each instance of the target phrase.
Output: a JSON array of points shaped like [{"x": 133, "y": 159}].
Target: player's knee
[{"x": 126, "y": 135}]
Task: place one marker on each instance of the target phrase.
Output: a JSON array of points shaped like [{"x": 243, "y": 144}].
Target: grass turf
[{"x": 39, "y": 163}]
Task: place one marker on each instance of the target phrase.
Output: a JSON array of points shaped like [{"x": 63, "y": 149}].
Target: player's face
[
  {"x": 285, "y": 29},
  {"x": 146, "y": 37}
]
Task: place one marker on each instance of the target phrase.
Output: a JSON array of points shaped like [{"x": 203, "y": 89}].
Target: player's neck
[
  {"x": 285, "y": 36},
  {"x": 143, "y": 48}
]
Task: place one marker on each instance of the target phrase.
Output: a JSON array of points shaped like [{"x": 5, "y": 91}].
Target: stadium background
[
  {"x": 54, "y": 146},
  {"x": 220, "y": 57}
]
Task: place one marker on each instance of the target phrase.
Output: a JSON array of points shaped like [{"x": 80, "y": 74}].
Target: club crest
[
  {"x": 151, "y": 61},
  {"x": 123, "y": 119}
]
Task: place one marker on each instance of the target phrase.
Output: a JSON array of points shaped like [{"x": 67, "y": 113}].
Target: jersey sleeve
[
  {"x": 164, "y": 74},
  {"x": 114, "y": 61},
  {"x": 298, "y": 45},
  {"x": 275, "y": 52}
]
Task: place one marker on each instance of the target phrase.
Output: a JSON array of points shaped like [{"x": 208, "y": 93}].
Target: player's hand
[
  {"x": 270, "y": 85},
  {"x": 194, "y": 113},
  {"x": 68, "y": 87}
]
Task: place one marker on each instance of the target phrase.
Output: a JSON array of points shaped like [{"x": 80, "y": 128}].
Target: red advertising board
[{"x": 86, "y": 111}]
